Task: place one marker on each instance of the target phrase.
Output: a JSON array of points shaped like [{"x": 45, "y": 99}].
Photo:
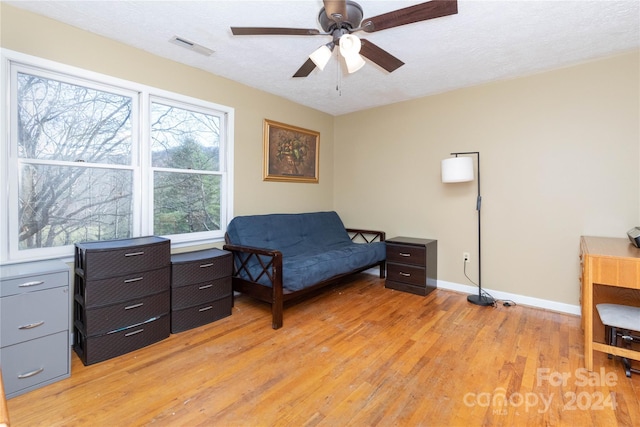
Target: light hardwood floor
[{"x": 354, "y": 355}]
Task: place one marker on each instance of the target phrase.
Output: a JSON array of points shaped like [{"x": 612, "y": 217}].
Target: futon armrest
[
  {"x": 369, "y": 236},
  {"x": 253, "y": 264}
]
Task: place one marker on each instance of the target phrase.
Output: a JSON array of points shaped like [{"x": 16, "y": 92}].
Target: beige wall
[
  {"x": 559, "y": 159},
  {"x": 35, "y": 35},
  {"x": 560, "y": 154}
]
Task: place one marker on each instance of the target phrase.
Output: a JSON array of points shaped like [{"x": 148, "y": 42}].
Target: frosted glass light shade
[
  {"x": 354, "y": 62},
  {"x": 457, "y": 169},
  {"x": 349, "y": 45},
  {"x": 321, "y": 56}
]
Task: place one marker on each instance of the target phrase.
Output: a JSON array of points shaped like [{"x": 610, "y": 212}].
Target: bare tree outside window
[
  {"x": 68, "y": 135},
  {"x": 92, "y": 157}
]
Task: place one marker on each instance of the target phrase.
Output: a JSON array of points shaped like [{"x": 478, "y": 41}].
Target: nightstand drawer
[
  {"x": 405, "y": 254},
  {"x": 406, "y": 274},
  {"x": 33, "y": 315}
]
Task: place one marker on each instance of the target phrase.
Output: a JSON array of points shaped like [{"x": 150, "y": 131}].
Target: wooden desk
[{"x": 610, "y": 274}]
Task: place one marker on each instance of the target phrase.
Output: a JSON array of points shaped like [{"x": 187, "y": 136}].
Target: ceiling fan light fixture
[
  {"x": 349, "y": 45},
  {"x": 322, "y": 55},
  {"x": 354, "y": 62}
]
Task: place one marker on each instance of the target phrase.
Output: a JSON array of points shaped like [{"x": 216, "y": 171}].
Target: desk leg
[{"x": 587, "y": 312}]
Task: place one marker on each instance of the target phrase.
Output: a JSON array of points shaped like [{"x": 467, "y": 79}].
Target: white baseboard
[{"x": 518, "y": 299}]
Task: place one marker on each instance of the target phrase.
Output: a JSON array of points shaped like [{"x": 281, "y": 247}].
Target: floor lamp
[{"x": 460, "y": 169}]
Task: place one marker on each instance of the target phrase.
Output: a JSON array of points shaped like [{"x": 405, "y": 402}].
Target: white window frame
[{"x": 141, "y": 164}]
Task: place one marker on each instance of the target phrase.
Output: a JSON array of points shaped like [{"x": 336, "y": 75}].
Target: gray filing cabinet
[{"x": 34, "y": 325}]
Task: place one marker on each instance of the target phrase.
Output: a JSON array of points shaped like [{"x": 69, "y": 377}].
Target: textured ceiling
[{"x": 484, "y": 42}]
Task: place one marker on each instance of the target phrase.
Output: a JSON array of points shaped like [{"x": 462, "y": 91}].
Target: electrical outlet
[{"x": 466, "y": 257}]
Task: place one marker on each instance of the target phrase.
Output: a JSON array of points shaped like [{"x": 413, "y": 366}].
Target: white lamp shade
[
  {"x": 321, "y": 56},
  {"x": 354, "y": 62},
  {"x": 349, "y": 45},
  {"x": 457, "y": 169}
]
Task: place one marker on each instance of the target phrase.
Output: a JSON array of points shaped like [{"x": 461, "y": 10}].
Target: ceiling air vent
[{"x": 188, "y": 44}]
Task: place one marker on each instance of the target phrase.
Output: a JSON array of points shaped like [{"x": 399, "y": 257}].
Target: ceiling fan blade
[
  {"x": 408, "y": 15},
  {"x": 251, "y": 31},
  {"x": 306, "y": 69},
  {"x": 379, "y": 56},
  {"x": 336, "y": 9}
]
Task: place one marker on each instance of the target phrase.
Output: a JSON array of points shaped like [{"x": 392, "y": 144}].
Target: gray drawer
[
  {"x": 30, "y": 364},
  {"x": 36, "y": 282},
  {"x": 33, "y": 315}
]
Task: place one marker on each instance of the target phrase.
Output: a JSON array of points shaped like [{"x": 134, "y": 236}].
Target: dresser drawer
[
  {"x": 30, "y": 364},
  {"x": 36, "y": 282},
  {"x": 187, "y": 296},
  {"x": 188, "y": 318},
  {"x": 96, "y": 349},
  {"x": 94, "y": 293},
  {"x": 101, "y": 320},
  {"x": 99, "y": 260},
  {"x": 200, "y": 266},
  {"x": 34, "y": 314},
  {"x": 406, "y": 274},
  {"x": 406, "y": 254}
]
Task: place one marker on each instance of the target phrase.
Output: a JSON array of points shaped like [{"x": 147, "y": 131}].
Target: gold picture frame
[{"x": 291, "y": 153}]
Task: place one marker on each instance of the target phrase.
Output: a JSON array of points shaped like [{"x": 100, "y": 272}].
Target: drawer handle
[
  {"x": 206, "y": 308},
  {"x": 34, "y": 283},
  {"x": 30, "y": 374},
  {"x": 206, "y": 265},
  {"x": 405, "y": 274},
  {"x": 134, "y": 332},
  {"x": 205, "y": 287},
  {"x": 134, "y": 253},
  {"x": 137, "y": 279},
  {"x": 134, "y": 306},
  {"x": 404, "y": 254},
  {"x": 32, "y": 325}
]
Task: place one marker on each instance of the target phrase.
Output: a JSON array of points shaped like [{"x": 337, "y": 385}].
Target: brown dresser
[
  {"x": 200, "y": 288},
  {"x": 412, "y": 265},
  {"x": 121, "y": 296}
]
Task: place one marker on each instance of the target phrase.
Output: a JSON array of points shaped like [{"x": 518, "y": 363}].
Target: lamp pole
[{"x": 478, "y": 299}]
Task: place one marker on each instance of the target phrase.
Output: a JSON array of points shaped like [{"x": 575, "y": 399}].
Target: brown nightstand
[{"x": 412, "y": 265}]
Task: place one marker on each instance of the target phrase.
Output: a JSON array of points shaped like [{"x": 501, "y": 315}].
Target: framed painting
[{"x": 290, "y": 153}]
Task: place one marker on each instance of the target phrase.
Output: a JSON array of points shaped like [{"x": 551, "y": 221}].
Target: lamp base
[{"x": 481, "y": 300}]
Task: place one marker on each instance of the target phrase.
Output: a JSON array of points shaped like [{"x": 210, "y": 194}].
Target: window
[{"x": 89, "y": 157}]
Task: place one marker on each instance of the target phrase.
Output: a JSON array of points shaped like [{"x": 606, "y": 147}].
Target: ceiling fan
[{"x": 341, "y": 18}]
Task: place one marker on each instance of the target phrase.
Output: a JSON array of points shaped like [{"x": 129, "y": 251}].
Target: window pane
[
  {"x": 183, "y": 139},
  {"x": 186, "y": 203},
  {"x": 61, "y": 121},
  {"x": 62, "y": 205}
]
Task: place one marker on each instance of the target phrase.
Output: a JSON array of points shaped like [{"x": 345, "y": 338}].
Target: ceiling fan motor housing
[{"x": 349, "y": 22}]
